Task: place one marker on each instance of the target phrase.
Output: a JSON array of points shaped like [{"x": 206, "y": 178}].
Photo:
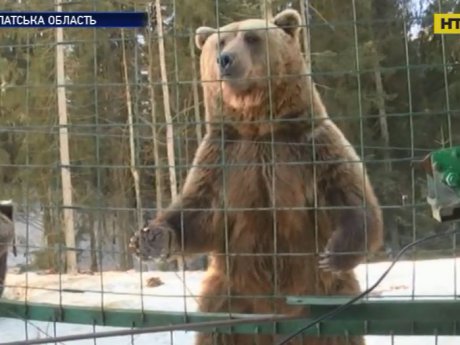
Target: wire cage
[{"x": 101, "y": 130}]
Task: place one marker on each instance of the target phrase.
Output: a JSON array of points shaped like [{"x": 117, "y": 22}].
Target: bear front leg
[
  {"x": 185, "y": 226},
  {"x": 357, "y": 220},
  {"x": 154, "y": 241}
]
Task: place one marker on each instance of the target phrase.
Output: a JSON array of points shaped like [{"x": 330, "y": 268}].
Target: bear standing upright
[{"x": 257, "y": 196}]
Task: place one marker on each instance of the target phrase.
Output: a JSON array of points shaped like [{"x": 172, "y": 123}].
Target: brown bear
[{"x": 277, "y": 195}]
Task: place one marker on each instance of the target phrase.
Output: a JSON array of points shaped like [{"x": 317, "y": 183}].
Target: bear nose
[{"x": 224, "y": 60}]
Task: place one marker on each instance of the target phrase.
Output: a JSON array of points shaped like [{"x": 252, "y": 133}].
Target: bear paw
[
  {"x": 336, "y": 261},
  {"x": 153, "y": 241}
]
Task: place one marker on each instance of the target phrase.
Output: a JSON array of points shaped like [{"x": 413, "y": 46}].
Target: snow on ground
[{"x": 123, "y": 290}]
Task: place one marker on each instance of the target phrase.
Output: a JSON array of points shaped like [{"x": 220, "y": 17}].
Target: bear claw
[
  {"x": 336, "y": 262},
  {"x": 325, "y": 262},
  {"x": 152, "y": 242}
]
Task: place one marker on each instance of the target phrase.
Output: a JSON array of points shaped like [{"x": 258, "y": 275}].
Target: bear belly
[
  {"x": 272, "y": 249},
  {"x": 270, "y": 239}
]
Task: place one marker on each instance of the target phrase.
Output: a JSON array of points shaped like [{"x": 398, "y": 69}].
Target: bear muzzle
[{"x": 226, "y": 64}]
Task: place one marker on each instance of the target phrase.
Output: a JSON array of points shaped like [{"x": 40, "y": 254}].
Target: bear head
[
  {"x": 244, "y": 54},
  {"x": 253, "y": 71}
]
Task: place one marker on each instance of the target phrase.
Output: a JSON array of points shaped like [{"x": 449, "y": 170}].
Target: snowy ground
[{"x": 122, "y": 290}]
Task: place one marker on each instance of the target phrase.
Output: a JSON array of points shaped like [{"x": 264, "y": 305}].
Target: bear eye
[
  {"x": 221, "y": 42},
  {"x": 251, "y": 38}
]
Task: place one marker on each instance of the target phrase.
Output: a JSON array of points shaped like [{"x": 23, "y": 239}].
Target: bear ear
[
  {"x": 289, "y": 20},
  {"x": 202, "y": 34}
]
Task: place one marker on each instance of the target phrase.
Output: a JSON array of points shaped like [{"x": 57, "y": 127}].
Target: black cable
[{"x": 366, "y": 292}]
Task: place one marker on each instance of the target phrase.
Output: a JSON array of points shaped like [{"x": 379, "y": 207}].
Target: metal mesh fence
[{"x": 99, "y": 138}]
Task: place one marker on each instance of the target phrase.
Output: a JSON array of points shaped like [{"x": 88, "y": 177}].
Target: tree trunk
[
  {"x": 167, "y": 110},
  {"x": 132, "y": 147},
  {"x": 123, "y": 241},
  {"x": 156, "y": 153},
  {"x": 382, "y": 115},
  {"x": 378, "y": 34},
  {"x": 92, "y": 241},
  {"x": 166, "y": 103},
  {"x": 305, "y": 14},
  {"x": 52, "y": 236},
  {"x": 196, "y": 99},
  {"x": 6, "y": 237},
  {"x": 267, "y": 11},
  {"x": 66, "y": 179}
]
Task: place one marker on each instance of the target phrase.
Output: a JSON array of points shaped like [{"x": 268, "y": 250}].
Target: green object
[
  {"x": 443, "y": 181},
  {"x": 367, "y": 317}
]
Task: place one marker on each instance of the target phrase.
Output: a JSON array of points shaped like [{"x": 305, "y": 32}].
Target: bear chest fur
[
  {"x": 268, "y": 227},
  {"x": 266, "y": 188}
]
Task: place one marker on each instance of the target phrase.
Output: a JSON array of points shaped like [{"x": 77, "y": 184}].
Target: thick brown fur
[{"x": 254, "y": 178}]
